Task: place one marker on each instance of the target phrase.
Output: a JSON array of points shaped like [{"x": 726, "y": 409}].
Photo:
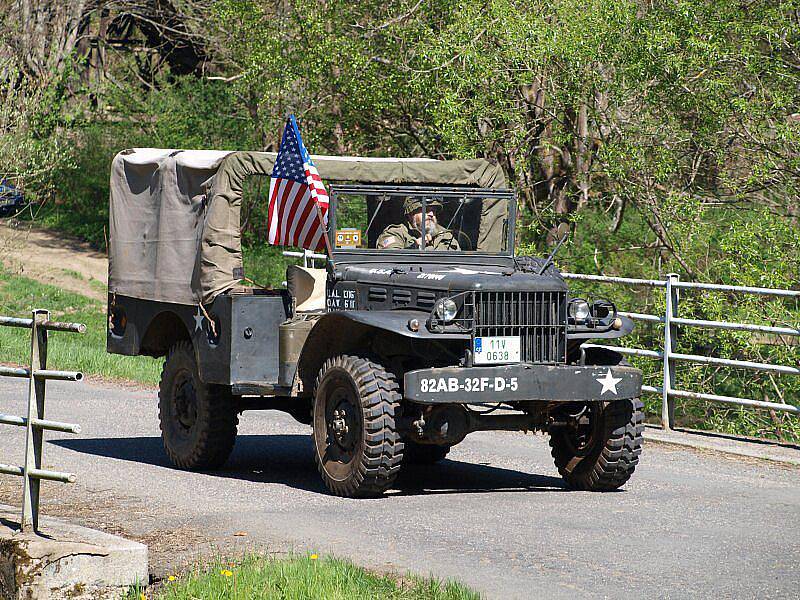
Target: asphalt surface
[{"x": 495, "y": 515}]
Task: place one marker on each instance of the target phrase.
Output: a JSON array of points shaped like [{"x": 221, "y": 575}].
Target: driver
[{"x": 408, "y": 235}]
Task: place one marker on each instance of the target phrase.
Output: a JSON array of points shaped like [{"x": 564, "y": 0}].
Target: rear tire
[
  {"x": 424, "y": 454},
  {"x": 198, "y": 420},
  {"x": 600, "y": 455},
  {"x": 357, "y": 447}
]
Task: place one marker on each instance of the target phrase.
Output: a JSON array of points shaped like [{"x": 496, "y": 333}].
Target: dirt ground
[{"x": 53, "y": 258}]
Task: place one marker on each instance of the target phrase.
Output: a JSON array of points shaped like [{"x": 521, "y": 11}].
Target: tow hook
[{"x": 419, "y": 426}]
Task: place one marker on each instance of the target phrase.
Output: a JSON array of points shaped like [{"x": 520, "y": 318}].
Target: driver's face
[{"x": 415, "y": 218}]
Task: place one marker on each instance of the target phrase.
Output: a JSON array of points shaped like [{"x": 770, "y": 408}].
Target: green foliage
[
  {"x": 300, "y": 577},
  {"x": 666, "y": 133},
  {"x": 184, "y": 113},
  {"x": 27, "y": 158},
  {"x": 266, "y": 265},
  {"x": 79, "y": 202},
  {"x": 66, "y": 351}
]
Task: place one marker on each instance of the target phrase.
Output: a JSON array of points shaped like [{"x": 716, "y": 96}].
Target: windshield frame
[{"x": 389, "y": 255}]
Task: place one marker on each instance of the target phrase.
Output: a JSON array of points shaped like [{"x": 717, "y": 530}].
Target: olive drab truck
[{"x": 391, "y": 354}]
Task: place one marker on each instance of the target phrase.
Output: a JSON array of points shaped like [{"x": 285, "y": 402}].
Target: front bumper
[{"x": 521, "y": 382}]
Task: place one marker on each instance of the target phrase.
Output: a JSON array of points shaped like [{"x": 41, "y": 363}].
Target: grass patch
[
  {"x": 67, "y": 351},
  {"x": 74, "y": 274},
  {"x": 256, "y": 576}
]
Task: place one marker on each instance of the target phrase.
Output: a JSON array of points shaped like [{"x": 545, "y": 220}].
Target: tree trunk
[{"x": 46, "y": 35}]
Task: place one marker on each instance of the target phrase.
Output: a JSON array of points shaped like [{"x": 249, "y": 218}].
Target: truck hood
[{"x": 451, "y": 278}]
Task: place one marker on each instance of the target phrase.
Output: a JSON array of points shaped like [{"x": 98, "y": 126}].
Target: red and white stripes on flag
[
  {"x": 298, "y": 201},
  {"x": 293, "y": 217}
]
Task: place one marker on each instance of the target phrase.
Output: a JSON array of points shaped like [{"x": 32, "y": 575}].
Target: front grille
[
  {"x": 426, "y": 299},
  {"x": 401, "y": 296},
  {"x": 538, "y": 318},
  {"x": 377, "y": 294}
]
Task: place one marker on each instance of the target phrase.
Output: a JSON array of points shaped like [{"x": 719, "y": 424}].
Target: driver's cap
[{"x": 414, "y": 203}]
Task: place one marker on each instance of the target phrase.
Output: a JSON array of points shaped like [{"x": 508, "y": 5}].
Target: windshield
[{"x": 454, "y": 220}]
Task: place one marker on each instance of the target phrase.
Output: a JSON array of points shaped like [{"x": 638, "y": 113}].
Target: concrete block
[{"x": 65, "y": 561}]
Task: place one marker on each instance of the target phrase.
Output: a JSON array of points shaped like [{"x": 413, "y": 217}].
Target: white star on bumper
[
  {"x": 198, "y": 320},
  {"x": 609, "y": 383}
]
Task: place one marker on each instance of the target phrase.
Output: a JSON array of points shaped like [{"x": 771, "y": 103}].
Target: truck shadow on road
[{"x": 289, "y": 460}]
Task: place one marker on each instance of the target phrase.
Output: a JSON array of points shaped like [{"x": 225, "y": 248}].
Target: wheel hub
[
  {"x": 582, "y": 429},
  {"x": 339, "y": 424},
  {"x": 341, "y": 420},
  {"x": 185, "y": 403}
]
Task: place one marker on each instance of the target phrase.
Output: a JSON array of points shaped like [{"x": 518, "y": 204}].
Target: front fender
[{"x": 340, "y": 332}]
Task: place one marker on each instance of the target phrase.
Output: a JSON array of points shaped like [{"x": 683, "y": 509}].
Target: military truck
[{"x": 391, "y": 354}]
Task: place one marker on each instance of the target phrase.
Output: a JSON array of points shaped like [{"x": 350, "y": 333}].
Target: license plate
[{"x": 492, "y": 350}]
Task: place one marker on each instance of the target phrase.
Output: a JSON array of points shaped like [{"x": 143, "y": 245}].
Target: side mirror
[{"x": 562, "y": 231}]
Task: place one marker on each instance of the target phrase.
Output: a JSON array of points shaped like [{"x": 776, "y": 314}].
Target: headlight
[
  {"x": 578, "y": 309},
  {"x": 445, "y": 310}
]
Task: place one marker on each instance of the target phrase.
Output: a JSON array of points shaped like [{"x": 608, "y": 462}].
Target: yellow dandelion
[
  {"x": 172, "y": 578},
  {"x": 226, "y": 573},
  {"x": 314, "y": 557},
  {"x": 142, "y": 597}
]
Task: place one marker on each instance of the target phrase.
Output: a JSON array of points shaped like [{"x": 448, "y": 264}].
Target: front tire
[
  {"x": 358, "y": 450},
  {"x": 198, "y": 420},
  {"x": 599, "y": 449}
]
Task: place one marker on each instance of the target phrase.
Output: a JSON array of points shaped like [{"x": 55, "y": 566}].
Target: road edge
[{"x": 783, "y": 454}]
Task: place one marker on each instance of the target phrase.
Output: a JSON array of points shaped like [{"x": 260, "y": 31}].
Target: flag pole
[{"x": 324, "y": 232}]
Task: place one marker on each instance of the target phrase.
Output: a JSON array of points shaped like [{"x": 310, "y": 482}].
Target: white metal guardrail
[
  {"x": 308, "y": 258},
  {"x": 669, "y": 355},
  {"x": 306, "y": 255},
  {"x": 35, "y": 424}
]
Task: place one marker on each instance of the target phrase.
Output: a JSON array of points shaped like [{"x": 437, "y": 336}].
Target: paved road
[{"x": 495, "y": 515}]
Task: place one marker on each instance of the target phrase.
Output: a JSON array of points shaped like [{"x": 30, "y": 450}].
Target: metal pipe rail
[
  {"x": 38, "y": 474},
  {"x": 306, "y": 255},
  {"x": 34, "y": 423},
  {"x": 41, "y": 373},
  {"x": 48, "y": 324},
  {"x": 670, "y": 321}
]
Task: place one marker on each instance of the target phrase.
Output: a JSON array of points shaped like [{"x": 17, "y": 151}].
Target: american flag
[{"x": 294, "y": 192}]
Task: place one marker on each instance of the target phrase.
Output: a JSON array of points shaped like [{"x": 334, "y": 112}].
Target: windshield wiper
[
  {"x": 381, "y": 200},
  {"x": 458, "y": 210},
  {"x": 550, "y": 258}
]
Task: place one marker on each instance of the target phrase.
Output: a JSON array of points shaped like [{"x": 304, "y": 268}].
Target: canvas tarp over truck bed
[{"x": 174, "y": 214}]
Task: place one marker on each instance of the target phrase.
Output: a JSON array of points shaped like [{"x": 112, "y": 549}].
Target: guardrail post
[
  {"x": 670, "y": 346},
  {"x": 33, "y": 434}
]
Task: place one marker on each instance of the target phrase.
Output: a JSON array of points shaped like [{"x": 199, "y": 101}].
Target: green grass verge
[
  {"x": 256, "y": 576},
  {"x": 68, "y": 351}
]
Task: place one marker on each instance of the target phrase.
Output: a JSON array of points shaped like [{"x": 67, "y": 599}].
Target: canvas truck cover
[{"x": 174, "y": 214}]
